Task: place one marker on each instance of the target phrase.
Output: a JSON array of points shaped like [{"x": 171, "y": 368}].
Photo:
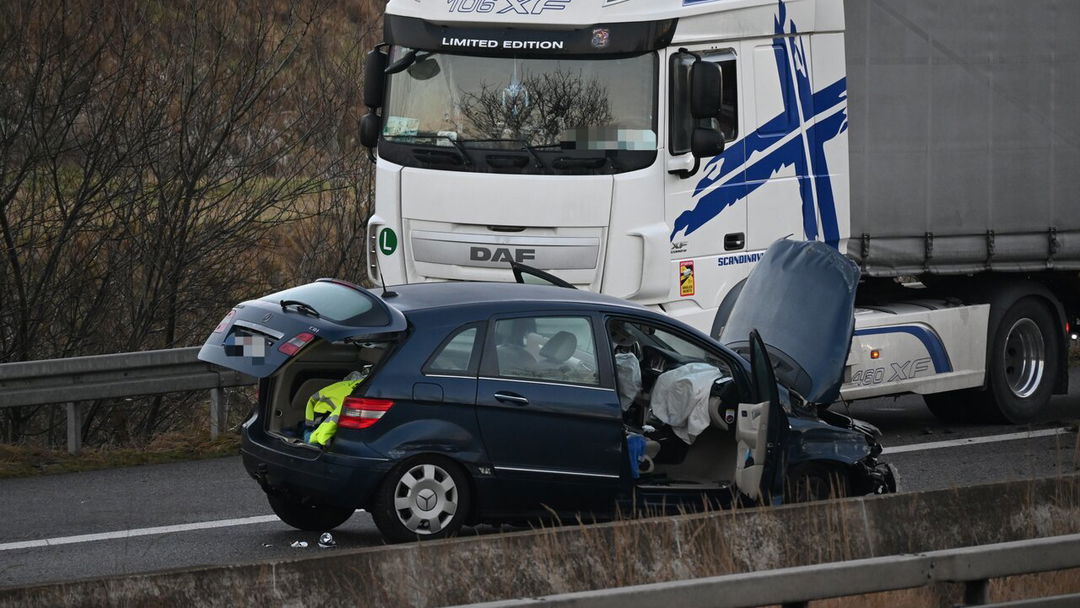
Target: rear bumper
[{"x": 322, "y": 477}]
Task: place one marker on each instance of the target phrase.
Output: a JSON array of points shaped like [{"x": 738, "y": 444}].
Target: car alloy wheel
[{"x": 426, "y": 499}]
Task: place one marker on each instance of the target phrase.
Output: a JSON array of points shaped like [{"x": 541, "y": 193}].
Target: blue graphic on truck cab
[{"x": 796, "y": 137}]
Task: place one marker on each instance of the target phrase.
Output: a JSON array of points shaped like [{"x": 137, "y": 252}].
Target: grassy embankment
[{"x": 25, "y": 461}]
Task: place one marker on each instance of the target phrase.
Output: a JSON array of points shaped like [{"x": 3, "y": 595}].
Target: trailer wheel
[{"x": 1022, "y": 364}]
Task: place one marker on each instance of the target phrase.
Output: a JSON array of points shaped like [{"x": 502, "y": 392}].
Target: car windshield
[{"x": 541, "y": 115}]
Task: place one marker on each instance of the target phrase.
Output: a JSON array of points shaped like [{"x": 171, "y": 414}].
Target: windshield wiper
[
  {"x": 301, "y": 307},
  {"x": 525, "y": 145},
  {"x": 584, "y": 162},
  {"x": 453, "y": 141}
]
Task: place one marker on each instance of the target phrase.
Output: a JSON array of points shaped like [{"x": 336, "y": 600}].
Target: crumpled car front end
[{"x": 841, "y": 441}]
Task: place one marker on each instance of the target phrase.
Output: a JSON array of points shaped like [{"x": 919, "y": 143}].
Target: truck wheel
[
  {"x": 955, "y": 407},
  {"x": 308, "y": 517},
  {"x": 1022, "y": 366},
  {"x": 423, "y": 498}
]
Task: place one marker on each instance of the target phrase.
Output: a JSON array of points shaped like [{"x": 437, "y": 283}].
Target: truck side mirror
[
  {"x": 705, "y": 143},
  {"x": 705, "y": 90},
  {"x": 370, "y": 129},
  {"x": 375, "y": 79}
]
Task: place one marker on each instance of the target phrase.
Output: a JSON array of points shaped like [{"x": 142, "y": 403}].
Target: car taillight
[
  {"x": 225, "y": 322},
  {"x": 361, "y": 412},
  {"x": 293, "y": 346}
]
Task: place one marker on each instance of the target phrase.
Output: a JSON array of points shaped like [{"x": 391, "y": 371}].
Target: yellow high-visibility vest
[{"x": 326, "y": 405}]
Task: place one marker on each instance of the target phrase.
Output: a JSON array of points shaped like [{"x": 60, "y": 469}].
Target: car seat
[
  {"x": 514, "y": 360},
  {"x": 559, "y": 348}
]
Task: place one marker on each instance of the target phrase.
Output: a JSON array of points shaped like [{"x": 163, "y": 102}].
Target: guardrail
[
  {"x": 796, "y": 587},
  {"x": 115, "y": 376}
]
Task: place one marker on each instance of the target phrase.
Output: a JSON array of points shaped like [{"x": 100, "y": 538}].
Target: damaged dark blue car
[{"x": 501, "y": 402}]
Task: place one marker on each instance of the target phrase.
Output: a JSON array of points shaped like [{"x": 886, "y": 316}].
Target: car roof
[{"x": 432, "y": 296}]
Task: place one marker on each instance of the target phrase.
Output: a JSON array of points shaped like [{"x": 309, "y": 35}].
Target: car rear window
[{"x": 337, "y": 303}]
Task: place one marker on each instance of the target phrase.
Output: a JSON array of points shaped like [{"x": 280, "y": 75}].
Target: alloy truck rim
[
  {"x": 425, "y": 499},
  {"x": 1025, "y": 358}
]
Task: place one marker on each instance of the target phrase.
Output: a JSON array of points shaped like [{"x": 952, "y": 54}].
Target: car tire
[
  {"x": 812, "y": 482},
  {"x": 308, "y": 517},
  {"x": 1022, "y": 363},
  {"x": 423, "y": 498}
]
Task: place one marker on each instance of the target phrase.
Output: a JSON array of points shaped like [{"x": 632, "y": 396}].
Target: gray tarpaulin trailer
[{"x": 965, "y": 135}]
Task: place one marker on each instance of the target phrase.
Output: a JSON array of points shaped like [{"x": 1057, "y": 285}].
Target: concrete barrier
[{"x": 575, "y": 558}]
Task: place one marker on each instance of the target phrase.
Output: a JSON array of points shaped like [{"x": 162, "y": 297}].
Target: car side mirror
[
  {"x": 375, "y": 79},
  {"x": 706, "y": 143},
  {"x": 705, "y": 90},
  {"x": 370, "y": 129}
]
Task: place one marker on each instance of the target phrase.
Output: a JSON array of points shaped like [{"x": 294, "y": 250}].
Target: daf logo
[
  {"x": 502, "y": 7},
  {"x": 501, "y": 254}
]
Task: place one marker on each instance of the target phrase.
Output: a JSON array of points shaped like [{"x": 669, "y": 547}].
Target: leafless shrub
[{"x": 160, "y": 161}]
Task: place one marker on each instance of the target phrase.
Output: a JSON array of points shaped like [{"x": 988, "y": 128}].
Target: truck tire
[
  {"x": 307, "y": 517},
  {"x": 955, "y": 407},
  {"x": 1022, "y": 364}
]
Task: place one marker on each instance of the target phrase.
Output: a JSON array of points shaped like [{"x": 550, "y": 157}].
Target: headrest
[
  {"x": 621, "y": 337},
  {"x": 560, "y": 347}
]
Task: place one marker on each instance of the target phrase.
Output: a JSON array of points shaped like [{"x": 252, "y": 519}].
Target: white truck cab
[{"x": 586, "y": 138}]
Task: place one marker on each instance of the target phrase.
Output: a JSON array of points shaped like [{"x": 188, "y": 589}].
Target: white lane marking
[
  {"x": 86, "y": 538},
  {"x": 918, "y": 447}
]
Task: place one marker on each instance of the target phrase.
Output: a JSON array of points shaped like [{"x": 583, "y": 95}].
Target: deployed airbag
[
  {"x": 680, "y": 399},
  {"x": 628, "y": 376}
]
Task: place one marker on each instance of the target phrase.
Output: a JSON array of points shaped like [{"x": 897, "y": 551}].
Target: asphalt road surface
[{"x": 140, "y": 519}]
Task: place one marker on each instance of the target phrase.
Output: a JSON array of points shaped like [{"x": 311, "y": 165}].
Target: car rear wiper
[{"x": 301, "y": 307}]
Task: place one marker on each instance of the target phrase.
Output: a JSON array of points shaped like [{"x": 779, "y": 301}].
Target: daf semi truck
[{"x": 653, "y": 149}]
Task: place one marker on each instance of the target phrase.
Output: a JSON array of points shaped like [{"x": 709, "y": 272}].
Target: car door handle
[
  {"x": 511, "y": 398},
  {"x": 734, "y": 241}
]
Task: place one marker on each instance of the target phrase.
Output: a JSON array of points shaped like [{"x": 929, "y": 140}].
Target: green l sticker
[{"x": 387, "y": 241}]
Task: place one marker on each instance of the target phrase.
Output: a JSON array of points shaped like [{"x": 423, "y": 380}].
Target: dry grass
[
  {"x": 25, "y": 461},
  {"x": 554, "y": 560}
]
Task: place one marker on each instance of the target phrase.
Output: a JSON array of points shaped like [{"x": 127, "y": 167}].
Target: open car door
[
  {"x": 257, "y": 337},
  {"x": 527, "y": 275},
  {"x": 759, "y": 466}
]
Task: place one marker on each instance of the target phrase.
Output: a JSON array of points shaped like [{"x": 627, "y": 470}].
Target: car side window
[
  {"x": 551, "y": 349},
  {"x": 457, "y": 354}
]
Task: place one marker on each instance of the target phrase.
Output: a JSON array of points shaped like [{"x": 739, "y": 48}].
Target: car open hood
[
  {"x": 257, "y": 337},
  {"x": 801, "y": 299}
]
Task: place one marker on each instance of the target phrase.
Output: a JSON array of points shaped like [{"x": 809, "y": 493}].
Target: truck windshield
[{"x": 509, "y": 114}]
